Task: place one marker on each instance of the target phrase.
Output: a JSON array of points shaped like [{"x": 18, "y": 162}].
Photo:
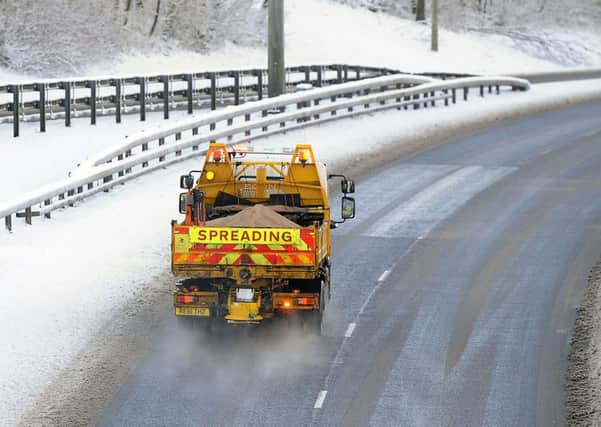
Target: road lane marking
[
  {"x": 350, "y": 330},
  {"x": 320, "y": 399},
  {"x": 384, "y": 276},
  {"x": 433, "y": 204}
]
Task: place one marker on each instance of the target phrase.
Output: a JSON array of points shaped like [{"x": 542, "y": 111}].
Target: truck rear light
[
  {"x": 305, "y": 301},
  {"x": 186, "y": 299}
]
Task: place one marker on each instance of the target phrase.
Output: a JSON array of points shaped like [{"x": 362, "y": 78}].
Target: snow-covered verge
[
  {"x": 322, "y": 31},
  {"x": 332, "y": 35},
  {"x": 68, "y": 281},
  {"x": 584, "y": 361}
]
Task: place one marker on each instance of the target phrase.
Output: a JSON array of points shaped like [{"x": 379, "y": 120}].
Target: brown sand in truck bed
[{"x": 254, "y": 216}]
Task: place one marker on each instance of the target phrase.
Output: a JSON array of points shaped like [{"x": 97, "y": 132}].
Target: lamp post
[
  {"x": 275, "y": 48},
  {"x": 435, "y": 25}
]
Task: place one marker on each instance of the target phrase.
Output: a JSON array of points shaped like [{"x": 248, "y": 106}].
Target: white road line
[
  {"x": 384, "y": 276},
  {"x": 320, "y": 399},
  {"x": 349, "y": 330}
]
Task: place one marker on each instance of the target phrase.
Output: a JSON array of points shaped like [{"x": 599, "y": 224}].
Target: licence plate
[{"x": 192, "y": 311}]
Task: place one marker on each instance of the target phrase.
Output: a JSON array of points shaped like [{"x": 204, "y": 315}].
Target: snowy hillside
[{"x": 67, "y": 37}]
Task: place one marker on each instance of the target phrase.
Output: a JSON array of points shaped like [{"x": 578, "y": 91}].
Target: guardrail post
[
  {"x": 230, "y": 122},
  {"x": 120, "y": 173},
  {"x": 47, "y": 214},
  {"x": 433, "y": 95},
  {"x": 319, "y": 77},
  {"x": 416, "y": 102},
  {"x": 41, "y": 87},
  {"x": 117, "y": 84},
  {"x": 67, "y": 103},
  {"x": 247, "y": 119},
  {"x": 498, "y": 90},
  {"x": 161, "y": 142},
  {"x": 366, "y": 92},
  {"x": 446, "y": 97},
  {"x": 144, "y": 148},
  {"x": 465, "y": 91},
  {"x": 92, "y": 86},
  {"x": 339, "y": 73},
  {"x": 178, "y": 136},
  {"x": 165, "y": 96},
  {"x": 127, "y": 154},
  {"x": 142, "y": 96},
  {"x": 482, "y": 91},
  {"x": 16, "y": 107},
  {"x": 237, "y": 88},
  {"x": 307, "y": 71},
  {"x": 213, "y": 79},
  {"x": 398, "y": 99},
  {"x": 8, "y": 223},
  {"x": 316, "y": 103},
  {"x": 454, "y": 95},
  {"x": 489, "y": 88},
  {"x": 345, "y": 70},
  {"x": 189, "y": 92},
  {"x": 28, "y": 215},
  {"x": 260, "y": 84}
]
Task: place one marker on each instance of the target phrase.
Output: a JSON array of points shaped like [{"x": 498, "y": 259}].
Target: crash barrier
[
  {"x": 53, "y": 99},
  {"x": 145, "y": 151}
]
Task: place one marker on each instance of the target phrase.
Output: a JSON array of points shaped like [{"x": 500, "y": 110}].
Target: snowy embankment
[
  {"x": 63, "y": 280},
  {"x": 67, "y": 277}
]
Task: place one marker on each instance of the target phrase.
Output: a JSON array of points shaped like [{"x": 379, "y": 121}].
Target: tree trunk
[
  {"x": 127, "y": 9},
  {"x": 421, "y": 10},
  {"x": 156, "y": 18}
]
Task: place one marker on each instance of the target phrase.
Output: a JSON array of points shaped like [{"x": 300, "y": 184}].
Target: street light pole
[
  {"x": 275, "y": 48},
  {"x": 435, "y": 25}
]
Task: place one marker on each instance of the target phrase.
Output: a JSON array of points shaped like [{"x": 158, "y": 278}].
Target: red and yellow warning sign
[
  {"x": 243, "y": 246},
  {"x": 252, "y": 236}
]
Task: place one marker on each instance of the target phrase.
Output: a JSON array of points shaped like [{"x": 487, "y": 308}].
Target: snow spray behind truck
[{"x": 254, "y": 245}]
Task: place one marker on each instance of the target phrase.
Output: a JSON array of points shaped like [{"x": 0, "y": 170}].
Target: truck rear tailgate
[{"x": 212, "y": 250}]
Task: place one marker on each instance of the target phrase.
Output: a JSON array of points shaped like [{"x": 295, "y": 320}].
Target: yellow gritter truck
[{"x": 254, "y": 245}]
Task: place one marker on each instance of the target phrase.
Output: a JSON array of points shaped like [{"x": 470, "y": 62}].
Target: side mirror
[
  {"x": 348, "y": 208},
  {"x": 186, "y": 182},
  {"x": 347, "y": 186},
  {"x": 182, "y": 202}
]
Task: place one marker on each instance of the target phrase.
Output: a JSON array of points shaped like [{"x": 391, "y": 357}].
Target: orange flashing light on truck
[{"x": 255, "y": 241}]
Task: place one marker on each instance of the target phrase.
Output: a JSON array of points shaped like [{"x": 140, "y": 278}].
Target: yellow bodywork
[{"x": 260, "y": 260}]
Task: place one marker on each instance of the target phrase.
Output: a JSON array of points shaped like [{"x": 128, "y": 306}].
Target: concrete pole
[
  {"x": 421, "y": 10},
  {"x": 275, "y": 48},
  {"x": 435, "y": 25}
]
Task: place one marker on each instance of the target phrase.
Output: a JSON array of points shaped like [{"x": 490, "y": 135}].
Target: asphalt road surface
[{"x": 454, "y": 292}]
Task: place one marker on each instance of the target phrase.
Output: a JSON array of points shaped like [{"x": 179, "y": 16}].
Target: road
[{"x": 454, "y": 291}]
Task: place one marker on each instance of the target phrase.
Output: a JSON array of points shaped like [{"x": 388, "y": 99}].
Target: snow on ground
[
  {"x": 320, "y": 31},
  {"x": 63, "y": 278},
  {"x": 35, "y": 159},
  {"x": 358, "y": 37}
]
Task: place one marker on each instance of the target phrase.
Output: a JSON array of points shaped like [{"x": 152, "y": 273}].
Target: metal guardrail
[
  {"x": 94, "y": 96},
  {"x": 561, "y": 75},
  {"x": 146, "y": 151},
  {"x": 48, "y": 99}
]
